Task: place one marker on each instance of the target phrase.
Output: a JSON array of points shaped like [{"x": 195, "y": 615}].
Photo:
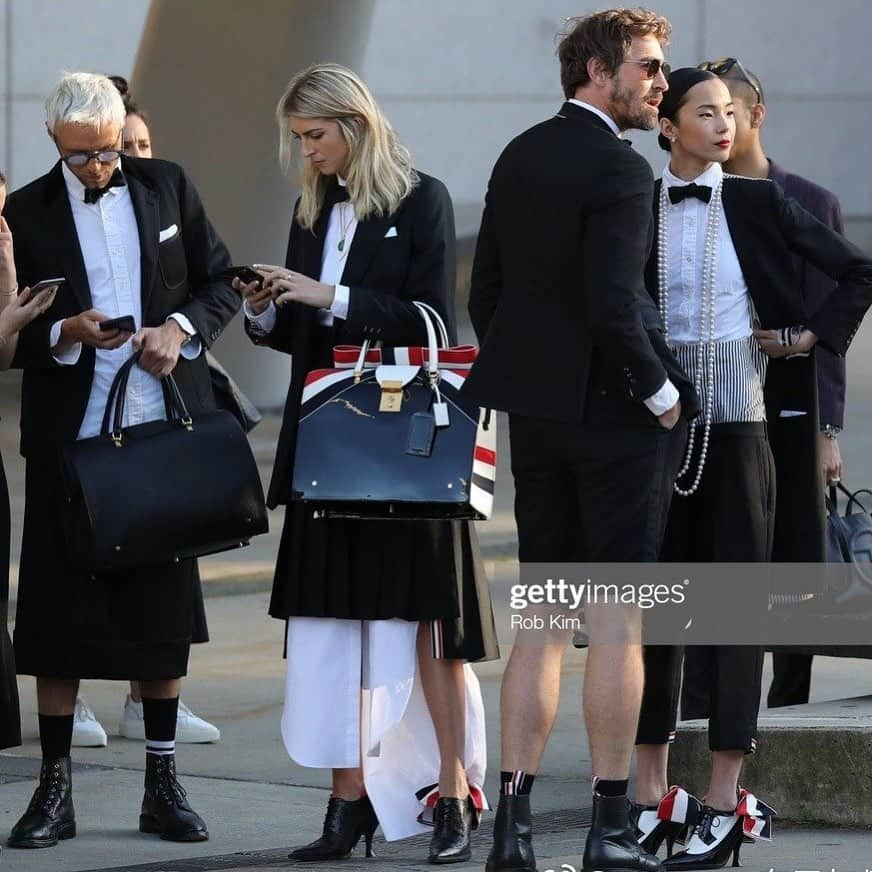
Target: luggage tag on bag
[
  {"x": 392, "y": 379},
  {"x": 422, "y": 432}
]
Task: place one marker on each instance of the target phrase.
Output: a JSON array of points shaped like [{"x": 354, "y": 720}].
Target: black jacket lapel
[
  {"x": 146, "y": 207},
  {"x": 367, "y": 239},
  {"x": 62, "y": 228}
]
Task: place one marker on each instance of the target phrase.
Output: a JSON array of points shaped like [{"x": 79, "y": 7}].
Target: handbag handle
[
  {"x": 837, "y": 525},
  {"x": 174, "y": 404},
  {"x": 852, "y": 497}
]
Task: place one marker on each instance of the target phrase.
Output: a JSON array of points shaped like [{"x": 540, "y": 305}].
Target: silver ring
[{"x": 835, "y": 480}]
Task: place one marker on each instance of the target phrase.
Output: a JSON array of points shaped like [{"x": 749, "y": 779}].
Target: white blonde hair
[
  {"x": 379, "y": 174},
  {"x": 84, "y": 98}
]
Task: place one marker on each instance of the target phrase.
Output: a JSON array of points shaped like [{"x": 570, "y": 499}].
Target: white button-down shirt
[
  {"x": 341, "y": 225},
  {"x": 109, "y": 241},
  {"x": 686, "y": 233}
]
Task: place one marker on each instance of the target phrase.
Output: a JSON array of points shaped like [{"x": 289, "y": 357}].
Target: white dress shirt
[
  {"x": 109, "y": 241},
  {"x": 664, "y": 399},
  {"x": 342, "y": 224},
  {"x": 686, "y": 231}
]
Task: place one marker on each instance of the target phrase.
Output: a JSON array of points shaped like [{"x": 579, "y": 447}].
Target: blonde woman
[{"x": 369, "y": 602}]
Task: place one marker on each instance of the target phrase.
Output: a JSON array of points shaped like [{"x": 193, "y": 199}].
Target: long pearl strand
[{"x": 704, "y": 382}]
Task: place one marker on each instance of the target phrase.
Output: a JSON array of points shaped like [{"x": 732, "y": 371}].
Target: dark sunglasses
[
  {"x": 81, "y": 158},
  {"x": 724, "y": 65},
  {"x": 652, "y": 67}
]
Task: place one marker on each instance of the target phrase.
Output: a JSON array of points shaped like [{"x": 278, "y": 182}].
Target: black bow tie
[
  {"x": 94, "y": 194},
  {"x": 677, "y": 193}
]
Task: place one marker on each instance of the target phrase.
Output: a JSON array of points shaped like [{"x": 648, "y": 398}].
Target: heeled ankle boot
[
  {"x": 512, "y": 850},
  {"x": 165, "y": 808},
  {"x": 50, "y": 816},
  {"x": 454, "y": 819},
  {"x": 611, "y": 843},
  {"x": 344, "y": 824}
]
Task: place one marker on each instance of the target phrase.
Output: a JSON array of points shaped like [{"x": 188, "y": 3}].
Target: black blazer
[
  {"x": 178, "y": 275},
  {"x": 768, "y": 231},
  {"x": 557, "y": 280},
  {"x": 815, "y": 286},
  {"x": 385, "y": 275}
]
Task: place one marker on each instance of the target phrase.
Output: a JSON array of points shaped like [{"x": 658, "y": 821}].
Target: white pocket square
[
  {"x": 392, "y": 232},
  {"x": 169, "y": 233},
  {"x": 791, "y": 413}
]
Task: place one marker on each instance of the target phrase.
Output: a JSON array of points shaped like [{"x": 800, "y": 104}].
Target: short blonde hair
[
  {"x": 84, "y": 98},
  {"x": 379, "y": 174}
]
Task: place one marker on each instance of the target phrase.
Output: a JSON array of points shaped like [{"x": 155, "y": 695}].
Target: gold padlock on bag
[
  {"x": 391, "y": 396},
  {"x": 392, "y": 380}
]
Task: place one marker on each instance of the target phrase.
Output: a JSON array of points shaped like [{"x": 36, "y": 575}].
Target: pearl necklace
[{"x": 704, "y": 380}]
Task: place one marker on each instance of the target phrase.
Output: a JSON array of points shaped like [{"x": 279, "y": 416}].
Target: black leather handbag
[
  {"x": 162, "y": 491},
  {"x": 229, "y": 396},
  {"x": 396, "y": 441}
]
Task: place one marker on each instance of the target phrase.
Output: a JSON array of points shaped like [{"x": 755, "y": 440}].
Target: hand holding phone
[
  {"x": 245, "y": 274},
  {"x": 42, "y": 286},
  {"x": 125, "y": 323}
]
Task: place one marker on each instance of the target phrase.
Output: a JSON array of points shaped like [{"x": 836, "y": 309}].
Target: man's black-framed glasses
[
  {"x": 81, "y": 158},
  {"x": 723, "y": 66},
  {"x": 652, "y": 67}
]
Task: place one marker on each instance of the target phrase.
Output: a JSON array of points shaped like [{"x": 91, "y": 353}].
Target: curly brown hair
[{"x": 606, "y": 36}]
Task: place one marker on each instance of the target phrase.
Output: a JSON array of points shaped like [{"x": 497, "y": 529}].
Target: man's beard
[{"x": 629, "y": 113}]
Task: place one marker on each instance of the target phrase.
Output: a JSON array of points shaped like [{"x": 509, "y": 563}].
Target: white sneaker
[
  {"x": 189, "y": 728},
  {"x": 88, "y": 732}
]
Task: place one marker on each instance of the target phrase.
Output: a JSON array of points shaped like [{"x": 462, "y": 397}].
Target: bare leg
[
  {"x": 348, "y": 783},
  {"x": 445, "y": 692},
  {"x": 135, "y": 691},
  {"x": 726, "y": 769},
  {"x": 529, "y": 697},
  {"x": 167, "y": 688},
  {"x": 56, "y": 696},
  {"x": 652, "y": 781},
  {"x": 613, "y": 687}
]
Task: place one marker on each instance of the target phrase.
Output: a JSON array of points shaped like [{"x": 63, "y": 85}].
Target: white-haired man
[{"x": 131, "y": 238}]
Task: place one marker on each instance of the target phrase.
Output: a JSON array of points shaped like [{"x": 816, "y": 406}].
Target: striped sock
[
  {"x": 516, "y": 783},
  {"x": 160, "y": 725}
]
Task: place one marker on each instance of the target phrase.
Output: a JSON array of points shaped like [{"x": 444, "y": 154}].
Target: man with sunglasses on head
[
  {"x": 572, "y": 348},
  {"x": 803, "y": 467},
  {"x": 131, "y": 238}
]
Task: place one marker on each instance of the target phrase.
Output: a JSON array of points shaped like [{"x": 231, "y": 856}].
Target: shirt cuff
[
  {"x": 192, "y": 348},
  {"x": 663, "y": 400},
  {"x": 265, "y": 321},
  {"x": 339, "y": 306},
  {"x": 71, "y": 355}
]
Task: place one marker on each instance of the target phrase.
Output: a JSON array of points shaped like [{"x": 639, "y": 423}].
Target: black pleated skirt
[
  {"x": 136, "y": 625},
  {"x": 10, "y": 719},
  {"x": 379, "y": 570}
]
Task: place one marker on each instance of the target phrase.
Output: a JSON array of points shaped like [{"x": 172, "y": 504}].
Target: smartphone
[
  {"x": 125, "y": 323},
  {"x": 245, "y": 274},
  {"x": 44, "y": 285}
]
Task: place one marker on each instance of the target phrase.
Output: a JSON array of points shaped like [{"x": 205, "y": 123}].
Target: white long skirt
[{"x": 353, "y": 693}]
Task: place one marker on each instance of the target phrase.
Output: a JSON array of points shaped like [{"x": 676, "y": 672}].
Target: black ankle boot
[
  {"x": 611, "y": 843},
  {"x": 512, "y": 849},
  {"x": 345, "y": 822},
  {"x": 165, "y": 808},
  {"x": 453, "y": 819},
  {"x": 50, "y": 815}
]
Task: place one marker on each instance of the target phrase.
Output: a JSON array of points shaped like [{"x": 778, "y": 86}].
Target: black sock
[
  {"x": 610, "y": 788},
  {"x": 516, "y": 783},
  {"x": 55, "y": 735},
  {"x": 160, "y": 725}
]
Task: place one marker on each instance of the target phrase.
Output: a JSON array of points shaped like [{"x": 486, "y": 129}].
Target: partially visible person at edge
[
  {"x": 132, "y": 238},
  {"x": 572, "y": 347},
  {"x": 17, "y": 309},
  {"x": 369, "y": 237},
  {"x": 723, "y": 275},
  {"x": 795, "y": 460},
  {"x": 88, "y": 732}
]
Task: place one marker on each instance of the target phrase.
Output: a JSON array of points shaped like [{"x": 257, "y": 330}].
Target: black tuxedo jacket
[
  {"x": 385, "y": 275},
  {"x": 178, "y": 275},
  {"x": 769, "y": 231},
  {"x": 557, "y": 283},
  {"x": 816, "y": 286}
]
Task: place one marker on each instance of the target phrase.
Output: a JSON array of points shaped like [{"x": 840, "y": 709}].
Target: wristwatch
[{"x": 831, "y": 431}]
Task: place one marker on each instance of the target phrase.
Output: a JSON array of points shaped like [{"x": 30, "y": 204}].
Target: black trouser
[
  {"x": 728, "y": 520},
  {"x": 596, "y": 490}
]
